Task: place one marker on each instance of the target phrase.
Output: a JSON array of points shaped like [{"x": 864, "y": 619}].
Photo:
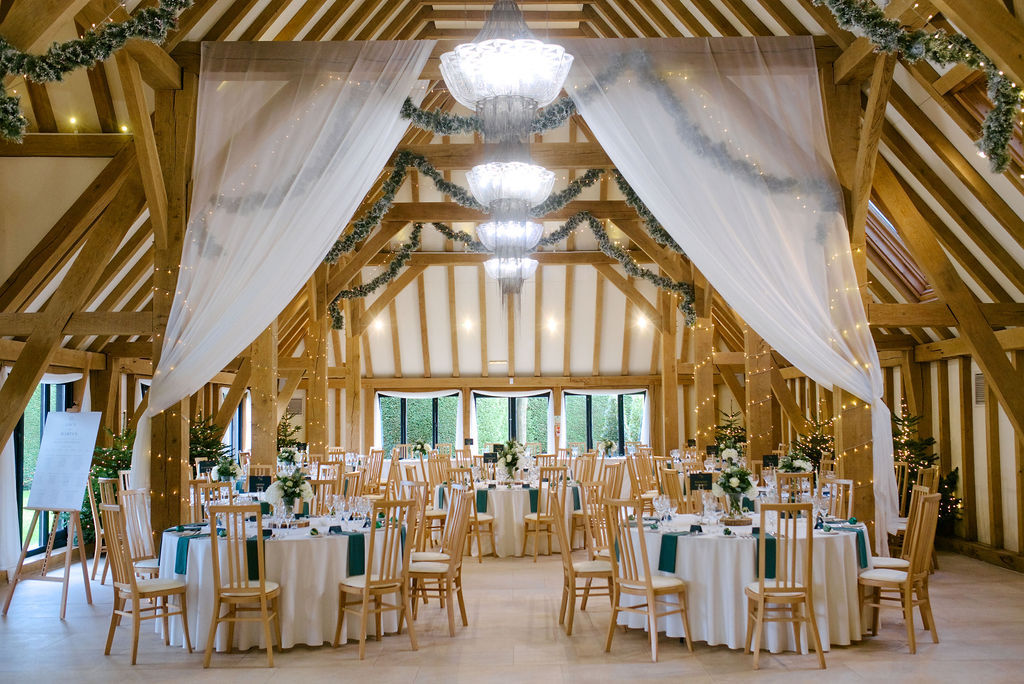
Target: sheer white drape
[
  {"x": 645, "y": 425},
  {"x": 378, "y": 434},
  {"x": 486, "y": 393},
  {"x": 289, "y": 138},
  {"x": 10, "y": 539},
  {"x": 724, "y": 140}
]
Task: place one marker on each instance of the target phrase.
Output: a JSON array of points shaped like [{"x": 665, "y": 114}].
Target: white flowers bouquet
[
  {"x": 795, "y": 463},
  {"x": 287, "y": 456},
  {"x": 735, "y": 482},
  {"x": 510, "y": 456},
  {"x": 730, "y": 456},
  {"x": 288, "y": 488},
  {"x": 605, "y": 446},
  {"x": 226, "y": 469},
  {"x": 420, "y": 448}
]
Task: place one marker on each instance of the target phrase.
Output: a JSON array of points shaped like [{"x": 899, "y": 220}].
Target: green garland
[
  {"x": 562, "y": 198},
  {"x": 462, "y": 236},
  {"x": 889, "y": 36},
  {"x": 398, "y": 261},
  {"x": 98, "y": 44},
  {"x": 443, "y": 123},
  {"x": 654, "y": 227}
]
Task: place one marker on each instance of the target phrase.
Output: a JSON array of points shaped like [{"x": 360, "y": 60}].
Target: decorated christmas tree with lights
[
  {"x": 816, "y": 443},
  {"x": 730, "y": 434}
]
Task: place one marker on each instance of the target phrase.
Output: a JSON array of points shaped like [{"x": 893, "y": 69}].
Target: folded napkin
[
  {"x": 769, "y": 559},
  {"x": 667, "y": 554},
  {"x": 862, "y": 542},
  {"x": 533, "y": 500},
  {"x": 356, "y": 549},
  {"x": 481, "y": 501},
  {"x": 576, "y": 499}
]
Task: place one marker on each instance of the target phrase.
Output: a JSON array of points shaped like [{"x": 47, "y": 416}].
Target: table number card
[
  {"x": 700, "y": 481},
  {"x": 770, "y": 461}
]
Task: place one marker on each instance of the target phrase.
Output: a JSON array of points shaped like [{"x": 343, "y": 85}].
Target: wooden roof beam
[
  {"x": 993, "y": 29},
  {"x": 856, "y": 61},
  {"x": 938, "y": 314}
]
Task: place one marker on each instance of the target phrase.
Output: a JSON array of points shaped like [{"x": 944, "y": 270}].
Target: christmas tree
[
  {"x": 730, "y": 434},
  {"x": 816, "y": 443},
  {"x": 908, "y": 446},
  {"x": 106, "y": 462},
  {"x": 286, "y": 432},
  {"x": 206, "y": 440}
]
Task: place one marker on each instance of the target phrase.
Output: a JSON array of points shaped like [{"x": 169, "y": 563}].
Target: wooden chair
[
  {"x": 260, "y": 471},
  {"x": 402, "y": 450},
  {"x": 546, "y": 460},
  {"x": 206, "y": 494},
  {"x": 202, "y": 467},
  {"x": 244, "y": 459},
  {"x": 583, "y": 471},
  {"x": 234, "y": 589},
  {"x": 612, "y": 475},
  {"x": 573, "y": 571},
  {"x": 677, "y": 492},
  {"x": 900, "y": 551},
  {"x": 928, "y": 477},
  {"x": 97, "y": 525},
  {"x": 416, "y": 537},
  {"x": 446, "y": 575},
  {"x": 351, "y": 483},
  {"x": 632, "y": 576},
  {"x": 387, "y": 572},
  {"x": 552, "y": 486},
  {"x": 372, "y": 472},
  {"x": 903, "y": 486},
  {"x": 445, "y": 450},
  {"x": 595, "y": 522},
  {"x": 479, "y": 523},
  {"x": 135, "y": 598},
  {"x": 336, "y": 452},
  {"x": 827, "y": 467},
  {"x": 135, "y": 506},
  {"x": 109, "y": 488},
  {"x": 908, "y": 587},
  {"x": 578, "y": 445},
  {"x": 640, "y": 485},
  {"x": 792, "y": 487},
  {"x": 323, "y": 492},
  {"x": 840, "y": 500},
  {"x": 438, "y": 468},
  {"x": 787, "y": 597},
  {"x": 124, "y": 477}
]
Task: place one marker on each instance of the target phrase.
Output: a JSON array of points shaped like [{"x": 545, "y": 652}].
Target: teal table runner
[
  {"x": 862, "y": 543},
  {"x": 481, "y": 501},
  {"x": 576, "y": 499},
  {"x": 251, "y": 552},
  {"x": 667, "y": 555},
  {"x": 356, "y": 552},
  {"x": 769, "y": 561},
  {"x": 533, "y": 500}
]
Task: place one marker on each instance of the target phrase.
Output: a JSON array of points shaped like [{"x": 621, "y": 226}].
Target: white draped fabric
[
  {"x": 289, "y": 139},
  {"x": 724, "y": 140},
  {"x": 528, "y": 393},
  {"x": 378, "y": 435},
  {"x": 645, "y": 426},
  {"x": 10, "y": 544}
]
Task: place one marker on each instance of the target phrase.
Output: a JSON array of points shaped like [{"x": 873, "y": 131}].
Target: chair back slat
[
  {"x": 125, "y": 478},
  {"x": 456, "y": 525},
  {"x": 372, "y": 471},
  {"x": 562, "y": 534},
  {"x": 584, "y": 467},
  {"x": 411, "y": 490},
  {"x": 928, "y": 477},
  {"x": 109, "y": 487},
  {"x": 352, "y": 483},
  {"x": 323, "y": 491},
  {"x": 135, "y": 507},
  {"x": 611, "y": 475}
]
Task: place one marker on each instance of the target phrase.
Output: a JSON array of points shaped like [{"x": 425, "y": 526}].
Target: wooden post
[
  {"x": 852, "y": 427},
  {"x": 669, "y": 375},
  {"x": 758, "y": 369},
  {"x": 353, "y": 376},
  {"x": 704, "y": 382},
  {"x": 263, "y": 384},
  {"x": 970, "y": 499},
  {"x": 316, "y": 393}
]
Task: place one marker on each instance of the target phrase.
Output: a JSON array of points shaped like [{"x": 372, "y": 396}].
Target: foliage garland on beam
[
  {"x": 654, "y": 227},
  {"x": 889, "y": 36},
  {"x": 96, "y": 45},
  {"x": 398, "y": 261},
  {"x": 445, "y": 123}
]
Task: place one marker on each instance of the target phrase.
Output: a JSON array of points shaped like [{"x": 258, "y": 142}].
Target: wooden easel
[{"x": 74, "y": 532}]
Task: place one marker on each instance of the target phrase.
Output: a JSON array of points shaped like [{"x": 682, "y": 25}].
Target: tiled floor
[{"x": 514, "y": 635}]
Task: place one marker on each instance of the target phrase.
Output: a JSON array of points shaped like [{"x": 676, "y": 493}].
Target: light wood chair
[
  {"x": 99, "y": 548},
  {"x": 536, "y": 446},
  {"x": 902, "y": 469},
  {"x": 479, "y": 523},
  {"x": 323, "y": 491},
  {"x": 387, "y": 572},
  {"x": 840, "y": 500},
  {"x": 612, "y": 475},
  {"x": 573, "y": 571},
  {"x": 679, "y": 492},
  {"x": 416, "y": 537},
  {"x": 899, "y": 550},
  {"x": 582, "y": 446},
  {"x": 351, "y": 483},
  {"x": 787, "y": 597},
  {"x": 552, "y": 486},
  {"x": 109, "y": 488},
  {"x": 438, "y": 478},
  {"x": 235, "y": 589},
  {"x": 202, "y": 467},
  {"x": 372, "y": 472},
  {"x": 595, "y": 521},
  {"x": 135, "y": 506},
  {"x": 124, "y": 477},
  {"x": 639, "y": 481},
  {"x": 135, "y": 598},
  {"x": 632, "y": 576},
  {"x": 446, "y": 575},
  {"x": 547, "y": 460},
  {"x": 909, "y": 587},
  {"x": 260, "y": 471},
  {"x": 583, "y": 471},
  {"x": 928, "y": 477},
  {"x": 793, "y": 487},
  {"x": 445, "y": 449},
  {"x": 206, "y": 494}
]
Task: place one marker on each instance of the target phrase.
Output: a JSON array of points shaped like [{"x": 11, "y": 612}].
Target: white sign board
[{"x": 65, "y": 455}]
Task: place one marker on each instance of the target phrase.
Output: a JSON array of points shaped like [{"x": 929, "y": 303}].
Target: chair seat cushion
[
  {"x": 436, "y": 513},
  {"x": 592, "y": 566},
  {"x": 435, "y": 556},
  {"x": 603, "y": 553},
  {"x": 658, "y": 582},
  {"x": 896, "y": 526},
  {"x": 158, "y": 584},
  {"x": 884, "y": 575},
  {"x": 484, "y": 517},
  {"x": 753, "y": 589},
  {"x": 538, "y": 517},
  {"x": 359, "y": 581},
  {"x": 890, "y": 563},
  {"x": 270, "y": 586},
  {"x": 428, "y": 567},
  {"x": 148, "y": 565}
]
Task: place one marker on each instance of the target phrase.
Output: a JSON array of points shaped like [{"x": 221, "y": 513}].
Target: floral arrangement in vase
[
  {"x": 512, "y": 453},
  {"x": 605, "y": 446},
  {"x": 734, "y": 483},
  {"x": 226, "y": 469},
  {"x": 287, "y": 456},
  {"x": 420, "y": 448},
  {"x": 288, "y": 488},
  {"x": 731, "y": 456},
  {"x": 795, "y": 463}
]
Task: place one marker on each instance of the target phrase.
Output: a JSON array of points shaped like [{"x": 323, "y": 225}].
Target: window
[
  {"x": 521, "y": 418},
  {"x": 404, "y": 420},
  {"x": 618, "y": 417},
  {"x": 27, "y": 436},
  {"x": 237, "y": 435}
]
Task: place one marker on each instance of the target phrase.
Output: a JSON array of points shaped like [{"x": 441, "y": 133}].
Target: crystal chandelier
[{"x": 505, "y": 75}]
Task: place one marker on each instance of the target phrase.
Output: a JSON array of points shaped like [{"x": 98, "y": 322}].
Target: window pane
[
  {"x": 447, "y": 415},
  {"x": 33, "y": 433},
  {"x": 575, "y": 418},
  {"x": 419, "y": 420},
  {"x": 532, "y": 413},
  {"x": 491, "y": 421},
  {"x": 633, "y": 416},
  {"x": 605, "y": 418},
  {"x": 390, "y": 422}
]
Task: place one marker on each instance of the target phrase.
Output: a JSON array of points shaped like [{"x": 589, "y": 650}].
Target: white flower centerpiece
[
  {"x": 287, "y": 459},
  {"x": 226, "y": 470},
  {"x": 420, "y": 448},
  {"x": 606, "y": 446},
  {"x": 734, "y": 483},
  {"x": 730, "y": 457},
  {"x": 795, "y": 463},
  {"x": 287, "y": 488},
  {"x": 511, "y": 456}
]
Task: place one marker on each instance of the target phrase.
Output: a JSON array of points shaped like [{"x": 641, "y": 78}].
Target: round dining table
[
  {"x": 307, "y": 567},
  {"x": 717, "y": 567}
]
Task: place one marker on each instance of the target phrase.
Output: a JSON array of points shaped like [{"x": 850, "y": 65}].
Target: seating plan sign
[{"x": 65, "y": 455}]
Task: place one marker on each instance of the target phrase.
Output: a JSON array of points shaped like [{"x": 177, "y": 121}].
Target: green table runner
[
  {"x": 251, "y": 552},
  {"x": 862, "y": 543},
  {"x": 669, "y": 545},
  {"x": 481, "y": 501},
  {"x": 769, "y": 561}
]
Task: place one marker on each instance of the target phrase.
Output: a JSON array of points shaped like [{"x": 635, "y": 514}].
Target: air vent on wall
[
  {"x": 296, "y": 406},
  {"x": 979, "y": 389}
]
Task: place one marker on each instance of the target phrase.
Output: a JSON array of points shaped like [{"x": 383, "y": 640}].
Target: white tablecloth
[
  {"x": 716, "y": 569},
  {"x": 308, "y": 569}
]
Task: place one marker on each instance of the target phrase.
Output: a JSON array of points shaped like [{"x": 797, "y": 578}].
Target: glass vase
[{"x": 735, "y": 505}]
